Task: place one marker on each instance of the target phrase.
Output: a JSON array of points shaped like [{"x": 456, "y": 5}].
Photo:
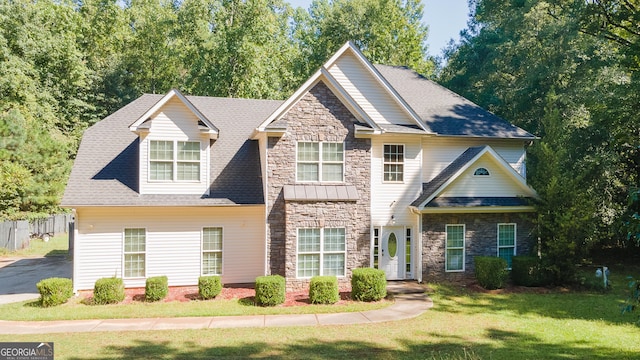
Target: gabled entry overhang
[{"x": 434, "y": 200}]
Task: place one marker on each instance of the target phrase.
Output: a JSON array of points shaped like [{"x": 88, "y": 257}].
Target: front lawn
[
  {"x": 56, "y": 246},
  {"x": 464, "y": 324}
]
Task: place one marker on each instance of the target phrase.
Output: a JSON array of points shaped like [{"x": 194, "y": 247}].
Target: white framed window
[
  {"x": 454, "y": 254},
  {"x": 320, "y": 161},
  {"x": 408, "y": 242},
  {"x": 393, "y": 163},
  {"x": 134, "y": 253},
  {"x": 212, "y": 251},
  {"x": 376, "y": 248},
  {"x": 507, "y": 242},
  {"x": 174, "y": 160},
  {"x": 321, "y": 251}
]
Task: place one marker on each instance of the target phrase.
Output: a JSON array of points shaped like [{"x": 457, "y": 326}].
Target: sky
[{"x": 445, "y": 18}]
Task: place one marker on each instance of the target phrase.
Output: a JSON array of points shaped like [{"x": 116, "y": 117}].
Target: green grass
[
  {"x": 558, "y": 324},
  {"x": 56, "y": 246},
  {"x": 75, "y": 309}
]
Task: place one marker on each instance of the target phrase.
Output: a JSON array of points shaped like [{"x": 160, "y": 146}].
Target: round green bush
[
  {"x": 491, "y": 272},
  {"x": 108, "y": 291},
  {"x": 270, "y": 290},
  {"x": 54, "y": 291},
  {"x": 324, "y": 290},
  {"x": 368, "y": 284},
  {"x": 156, "y": 288},
  {"x": 209, "y": 286},
  {"x": 528, "y": 271}
]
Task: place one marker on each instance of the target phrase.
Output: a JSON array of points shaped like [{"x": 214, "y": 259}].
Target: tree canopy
[
  {"x": 65, "y": 64},
  {"x": 566, "y": 71}
]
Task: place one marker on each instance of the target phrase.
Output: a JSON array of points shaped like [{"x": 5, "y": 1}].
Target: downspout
[{"x": 74, "y": 275}]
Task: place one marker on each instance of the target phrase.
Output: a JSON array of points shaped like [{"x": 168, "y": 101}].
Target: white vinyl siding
[
  {"x": 393, "y": 198},
  {"x": 321, "y": 252},
  {"x": 173, "y": 245},
  {"x": 134, "y": 253},
  {"x": 507, "y": 242},
  {"x": 393, "y": 162},
  {"x": 320, "y": 161},
  {"x": 497, "y": 184},
  {"x": 212, "y": 251},
  {"x": 454, "y": 243},
  {"x": 174, "y": 154},
  {"x": 367, "y": 92},
  {"x": 440, "y": 152}
]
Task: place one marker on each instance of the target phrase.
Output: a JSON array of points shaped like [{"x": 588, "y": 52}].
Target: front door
[{"x": 392, "y": 253}]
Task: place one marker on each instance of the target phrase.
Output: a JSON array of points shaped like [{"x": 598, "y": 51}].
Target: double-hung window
[
  {"x": 320, "y": 161},
  {"x": 507, "y": 242},
  {"x": 321, "y": 252},
  {"x": 134, "y": 253},
  {"x": 393, "y": 163},
  {"x": 212, "y": 251},
  {"x": 174, "y": 160},
  {"x": 454, "y": 255}
]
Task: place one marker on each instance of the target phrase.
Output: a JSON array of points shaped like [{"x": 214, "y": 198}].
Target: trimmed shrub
[
  {"x": 491, "y": 272},
  {"x": 270, "y": 290},
  {"x": 209, "y": 286},
  {"x": 324, "y": 290},
  {"x": 528, "y": 271},
  {"x": 156, "y": 288},
  {"x": 54, "y": 291},
  {"x": 368, "y": 284},
  {"x": 108, "y": 291}
]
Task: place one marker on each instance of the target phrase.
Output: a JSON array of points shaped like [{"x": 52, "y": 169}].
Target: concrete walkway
[{"x": 410, "y": 301}]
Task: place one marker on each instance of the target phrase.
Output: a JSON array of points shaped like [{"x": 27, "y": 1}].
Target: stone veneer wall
[
  {"x": 481, "y": 239},
  {"x": 318, "y": 116}
]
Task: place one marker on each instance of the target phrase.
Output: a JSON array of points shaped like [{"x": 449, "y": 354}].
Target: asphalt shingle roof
[
  {"x": 105, "y": 172},
  {"x": 445, "y": 112}
]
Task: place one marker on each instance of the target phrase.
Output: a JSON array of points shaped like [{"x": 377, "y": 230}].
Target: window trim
[
  {"x": 125, "y": 253},
  {"x": 320, "y": 162},
  {"x": 384, "y": 162},
  {"x": 447, "y": 248},
  {"x": 321, "y": 252},
  {"x": 408, "y": 252},
  {"x": 175, "y": 161},
  {"x": 202, "y": 250},
  {"x": 515, "y": 240},
  {"x": 488, "y": 174}
]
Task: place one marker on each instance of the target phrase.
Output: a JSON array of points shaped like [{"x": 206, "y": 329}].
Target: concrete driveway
[{"x": 19, "y": 276}]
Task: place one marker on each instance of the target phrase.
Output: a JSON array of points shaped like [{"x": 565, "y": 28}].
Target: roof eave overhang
[{"x": 476, "y": 209}]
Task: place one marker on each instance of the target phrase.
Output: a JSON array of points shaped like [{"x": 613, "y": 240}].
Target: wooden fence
[{"x": 15, "y": 235}]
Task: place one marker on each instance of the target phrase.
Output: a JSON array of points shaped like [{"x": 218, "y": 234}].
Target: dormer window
[
  {"x": 174, "y": 160},
  {"x": 481, "y": 172}
]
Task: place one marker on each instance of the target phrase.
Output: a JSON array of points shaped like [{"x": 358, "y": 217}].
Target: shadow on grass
[
  {"x": 556, "y": 303},
  {"x": 497, "y": 344}
]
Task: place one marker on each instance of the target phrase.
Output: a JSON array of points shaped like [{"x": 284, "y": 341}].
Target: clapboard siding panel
[
  {"x": 173, "y": 243},
  {"x": 389, "y": 199},
  {"x": 174, "y": 122},
  {"x": 367, "y": 92},
  {"x": 439, "y": 153},
  {"x": 497, "y": 184}
]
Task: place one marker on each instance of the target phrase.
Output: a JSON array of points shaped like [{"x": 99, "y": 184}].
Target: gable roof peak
[{"x": 204, "y": 124}]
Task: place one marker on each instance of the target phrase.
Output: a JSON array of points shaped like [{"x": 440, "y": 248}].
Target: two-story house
[{"x": 363, "y": 166}]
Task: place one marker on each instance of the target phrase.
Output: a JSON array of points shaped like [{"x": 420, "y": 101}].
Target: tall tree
[
  {"x": 387, "y": 31},
  {"x": 537, "y": 64}
]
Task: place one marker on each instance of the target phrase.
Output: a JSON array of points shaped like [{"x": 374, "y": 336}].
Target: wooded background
[{"x": 564, "y": 70}]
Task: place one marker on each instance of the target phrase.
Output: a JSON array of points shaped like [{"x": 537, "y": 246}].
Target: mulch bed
[{"x": 190, "y": 293}]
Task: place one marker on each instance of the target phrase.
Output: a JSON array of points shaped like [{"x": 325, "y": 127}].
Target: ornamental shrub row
[
  {"x": 491, "y": 272},
  {"x": 54, "y": 291}
]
